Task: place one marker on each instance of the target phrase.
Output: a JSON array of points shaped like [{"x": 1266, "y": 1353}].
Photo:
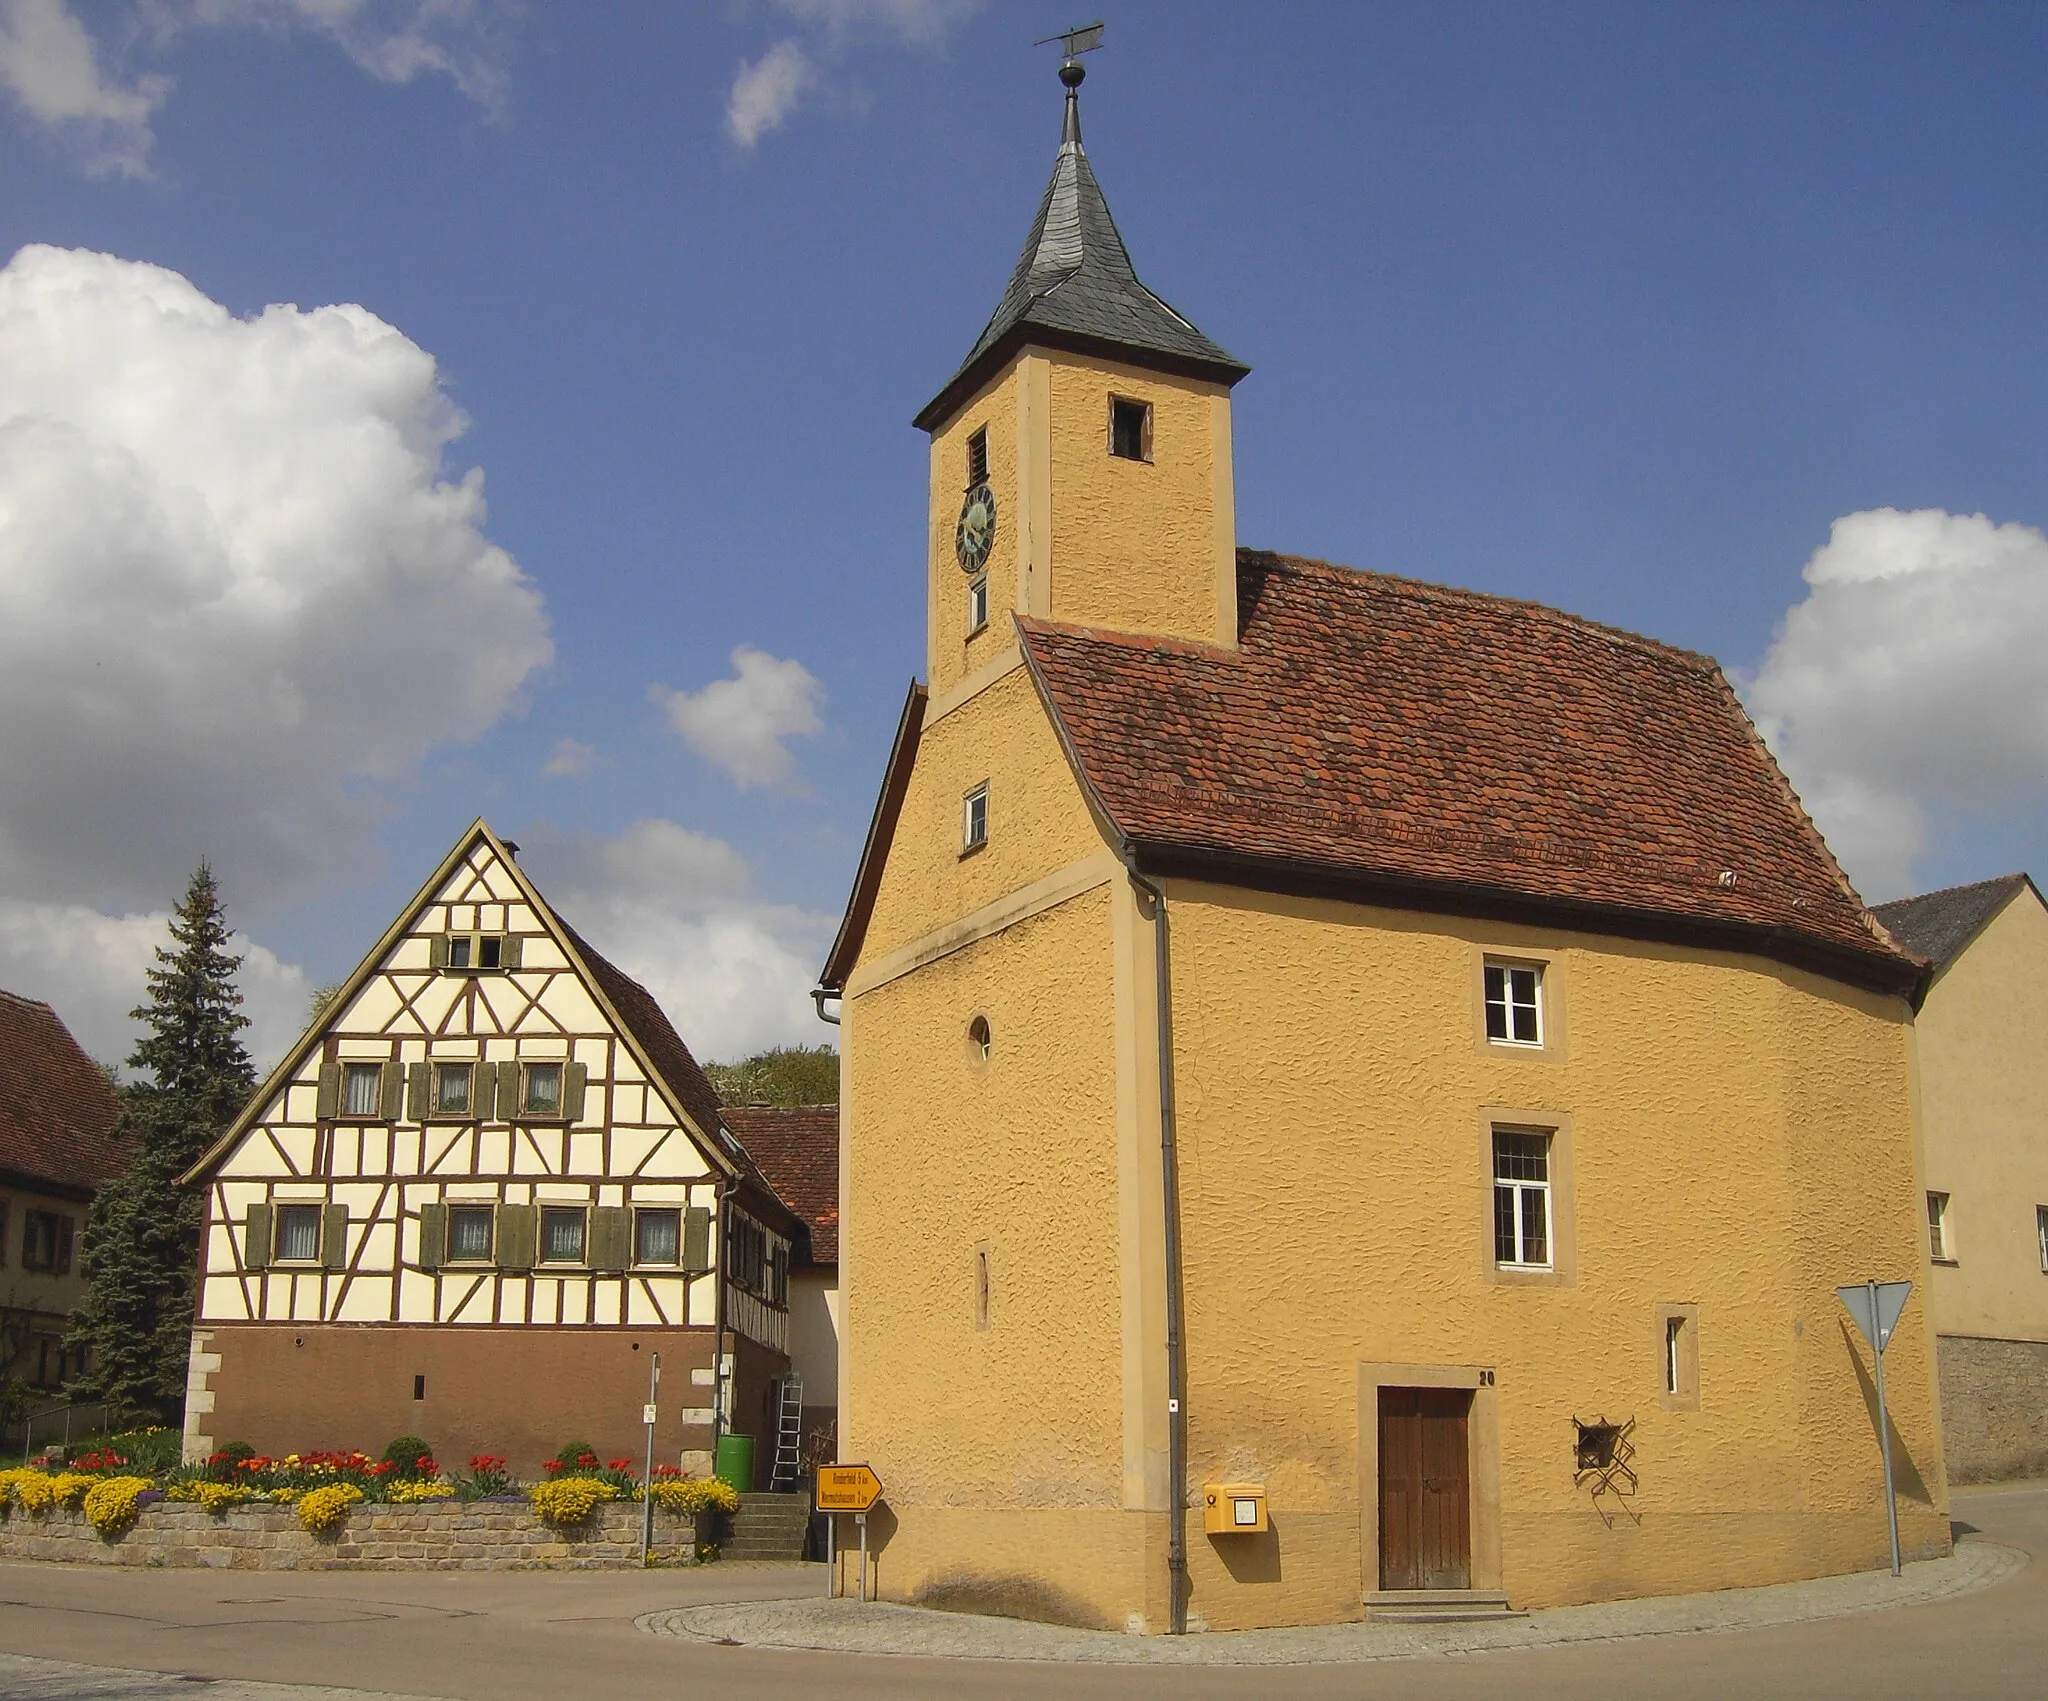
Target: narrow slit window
[
  {"x": 1130, "y": 429},
  {"x": 2040, "y": 1232},
  {"x": 977, "y": 605},
  {"x": 980, "y": 1041},
  {"x": 1514, "y": 1003},
  {"x": 1521, "y": 1200},
  {"x": 1674, "y": 1340},
  {"x": 974, "y": 819},
  {"x": 361, "y": 1085},
  {"x": 977, "y": 459},
  {"x": 981, "y": 1287}
]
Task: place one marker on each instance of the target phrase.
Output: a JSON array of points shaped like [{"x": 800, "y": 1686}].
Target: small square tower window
[
  {"x": 977, "y": 604},
  {"x": 977, "y": 459},
  {"x": 974, "y": 819},
  {"x": 1130, "y": 429}
]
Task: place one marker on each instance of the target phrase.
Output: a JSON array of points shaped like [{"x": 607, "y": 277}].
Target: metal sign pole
[
  {"x": 1884, "y": 1435},
  {"x": 861, "y": 1518},
  {"x": 647, "y": 1477}
]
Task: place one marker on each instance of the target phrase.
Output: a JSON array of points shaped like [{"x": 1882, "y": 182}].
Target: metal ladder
[{"x": 789, "y": 1436}]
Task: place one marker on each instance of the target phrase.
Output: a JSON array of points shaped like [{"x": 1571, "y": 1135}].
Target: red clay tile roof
[
  {"x": 1457, "y": 748},
  {"x": 797, "y": 1149},
  {"x": 57, "y": 1113}
]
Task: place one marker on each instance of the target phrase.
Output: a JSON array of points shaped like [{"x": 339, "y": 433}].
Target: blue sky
[{"x": 1615, "y": 307}]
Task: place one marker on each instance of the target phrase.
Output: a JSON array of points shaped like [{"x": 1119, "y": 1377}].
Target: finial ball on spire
[{"x": 1072, "y": 73}]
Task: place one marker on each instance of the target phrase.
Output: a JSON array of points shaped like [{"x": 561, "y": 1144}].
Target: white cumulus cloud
[
  {"x": 236, "y": 593},
  {"x": 1910, "y": 682},
  {"x": 741, "y": 723},
  {"x": 766, "y": 91},
  {"x": 393, "y": 40},
  {"x": 50, "y": 65},
  {"x": 90, "y": 969},
  {"x": 675, "y": 909},
  {"x": 571, "y": 759}
]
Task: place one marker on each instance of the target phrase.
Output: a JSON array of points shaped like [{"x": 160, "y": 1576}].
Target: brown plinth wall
[{"x": 520, "y": 1392}]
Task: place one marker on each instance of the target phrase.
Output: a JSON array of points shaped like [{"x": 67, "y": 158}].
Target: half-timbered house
[{"x": 485, "y": 1186}]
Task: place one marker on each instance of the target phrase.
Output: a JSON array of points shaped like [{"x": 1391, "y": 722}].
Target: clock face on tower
[{"x": 976, "y": 534}]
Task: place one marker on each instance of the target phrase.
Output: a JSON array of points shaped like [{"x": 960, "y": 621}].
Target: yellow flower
[
  {"x": 569, "y": 1500},
  {"x": 321, "y": 1510},
  {"x": 110, "y": 1503},
  {"x": 68, "y": 1488},
  {"x": 401, "y": 1493},
  {"x": 690, "y": 1495},
  {"x": 216, "y": 1497}
]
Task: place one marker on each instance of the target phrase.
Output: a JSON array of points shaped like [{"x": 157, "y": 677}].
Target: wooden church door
[{"x": 1425, "y": 1488}]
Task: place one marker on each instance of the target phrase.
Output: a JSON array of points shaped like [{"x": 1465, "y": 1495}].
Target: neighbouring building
[
  {"x": 1983, "y": 1048},
  {"x": 1389, "y": 1071},
  {"x": 797, "y": 1149},
  {"x": 58, "y": 1116},
  {"x": 481, "y": 1190}
]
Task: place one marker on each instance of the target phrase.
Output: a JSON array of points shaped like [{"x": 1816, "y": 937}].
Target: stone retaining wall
[
  {"x": 487, "y": 1535},
  {"x": 1994, "y": 1408}
]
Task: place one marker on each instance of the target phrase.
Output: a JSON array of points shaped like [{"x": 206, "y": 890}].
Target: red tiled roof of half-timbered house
[{"x": 57, "y": 1112}]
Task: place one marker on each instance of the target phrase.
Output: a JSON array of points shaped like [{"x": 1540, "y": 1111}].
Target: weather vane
[{"x": 1086, "y": 39}]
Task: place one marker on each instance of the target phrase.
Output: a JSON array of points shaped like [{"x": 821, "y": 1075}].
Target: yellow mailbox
[{"x": 1234, "y": 1508}]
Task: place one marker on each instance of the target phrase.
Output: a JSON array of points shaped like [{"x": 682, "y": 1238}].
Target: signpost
[
  {"x": 647, "y": 1480},
  {"x": 1876, "y": 1307},
  {"x": 848, "y": 1488}
]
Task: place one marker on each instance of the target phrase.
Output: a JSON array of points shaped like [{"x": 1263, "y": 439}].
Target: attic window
[
  {"x": 974, "y": 819},
  {"x": 977, "y": 459},
  {"x": 1130, "y": 429}
]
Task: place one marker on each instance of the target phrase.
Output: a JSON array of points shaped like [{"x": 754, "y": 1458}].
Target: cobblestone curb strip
[
  {"x": 849, "y": 1627},
  {"x": 59, "y": 1680},
  {"x": 485, "y": 1535}
]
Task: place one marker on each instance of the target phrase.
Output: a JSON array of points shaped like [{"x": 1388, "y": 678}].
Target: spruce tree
[{"x": 141, "y": 1243}]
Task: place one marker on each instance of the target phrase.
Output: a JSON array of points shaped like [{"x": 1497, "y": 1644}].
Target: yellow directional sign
[{"x": 847, "y": 1488}]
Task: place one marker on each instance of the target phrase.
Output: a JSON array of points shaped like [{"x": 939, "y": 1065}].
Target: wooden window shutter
[
  {"x": 391, "y": 1091},
  {"x": 437, "y": 951},
  {"x": 256, "y": 1238},
  {"x": 334, "y": 1237},
  {"x": 508, "y": 953},
  {"x": 64, "y": 1227},
  {"x": 575, "y": 1077},
  {"x": 419, "y": 1089},
  {"x": 697, "y": 1240},
  {"x": 3, "y": 1234},
  {"x": 433, "y": 1236},
  {"x": 611, "y": 1228},
  {"x": 518, "y": 1236},
  {"x": 327, "y": 1102},
  {"x": 508, "y": 1092},
  {"x": 483, "y": 1092}
]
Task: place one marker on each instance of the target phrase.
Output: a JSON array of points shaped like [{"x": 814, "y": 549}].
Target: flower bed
[{"x": 245, "y": 1509}]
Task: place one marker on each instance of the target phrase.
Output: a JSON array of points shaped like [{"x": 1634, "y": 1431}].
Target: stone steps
[{"x": 768, "y": 1526}]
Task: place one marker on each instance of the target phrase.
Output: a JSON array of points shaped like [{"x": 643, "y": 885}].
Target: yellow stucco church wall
[
  {"x": 1984, "y": 1091},
  {"x": 1739, "y": 1139},
  {"x": 953, "y": 653}
]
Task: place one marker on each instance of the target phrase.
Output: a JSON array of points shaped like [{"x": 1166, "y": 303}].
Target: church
[{"x": 1356, "y": 1095}]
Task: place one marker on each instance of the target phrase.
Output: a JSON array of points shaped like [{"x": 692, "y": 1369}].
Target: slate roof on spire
[{"x": 1075, "y": 288}]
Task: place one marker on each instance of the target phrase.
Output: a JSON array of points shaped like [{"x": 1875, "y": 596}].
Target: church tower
[{"x": 1080, "y": 456}]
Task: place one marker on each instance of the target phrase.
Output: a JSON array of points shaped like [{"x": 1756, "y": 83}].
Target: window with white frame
[
  {"x": 977, "y": 604},
  {"x": 1514, "y": 1003},
  {"x": 974, "y": 819},
  {"x": 298, "y": 1234},
  {"x": 1941, "y": 1243},
  {"x": 1521, "y": 1199},
  {"x": 361, "y": 1088}
]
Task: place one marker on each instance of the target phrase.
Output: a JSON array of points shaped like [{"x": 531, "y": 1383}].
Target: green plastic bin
[{"x": 735, "y": 1462}]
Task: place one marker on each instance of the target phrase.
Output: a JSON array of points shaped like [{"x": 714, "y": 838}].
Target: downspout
[
  {"x": 1169, "y": 1187},
  {"x": 726, "y": 1189}
]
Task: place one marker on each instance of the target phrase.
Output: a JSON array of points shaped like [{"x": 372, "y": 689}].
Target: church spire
[{"x": 1074, "y": 286}]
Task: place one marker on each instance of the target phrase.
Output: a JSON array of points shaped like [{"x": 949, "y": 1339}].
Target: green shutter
[
  {"x": 256, "y": 1239},
  {"x": 508, "y": 1092},
  {"x": 697, "y": 1240},
  {"x": 419, "y": 1092},
  {"x": 574, "y": 1078},
  {"x": 327, "y": 1102},
  {"x": 483, "y": 1092},
  {"x": 509, "y": 951},
  {"x": 611, "y": 1228},
  {"x": 437, "y": 951},
  {"x": 64, "y": 1227},
  {"x": 391, "y": 1091},
  {"x": 518, "y": 1236},
  {"x": 433, "y": 1236},
  {"x": 334, "y": 1237}
]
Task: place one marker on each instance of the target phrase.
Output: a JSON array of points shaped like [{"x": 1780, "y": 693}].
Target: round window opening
[{"x": 978, "y": 1041}]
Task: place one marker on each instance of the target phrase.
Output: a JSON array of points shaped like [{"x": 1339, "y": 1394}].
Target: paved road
[{"x": 524, "y": 1636}]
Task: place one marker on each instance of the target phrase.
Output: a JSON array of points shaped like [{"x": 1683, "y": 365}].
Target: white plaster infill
[{"x": 849, "y": 1627}]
